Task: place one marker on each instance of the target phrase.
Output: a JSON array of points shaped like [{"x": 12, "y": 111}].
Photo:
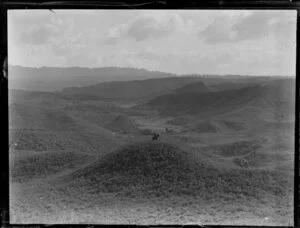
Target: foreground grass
[
  {"x": 157, "y": 183},
  {"x": 41, "y": 165}
]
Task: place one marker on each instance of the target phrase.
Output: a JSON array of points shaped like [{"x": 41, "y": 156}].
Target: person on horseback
[{"x": 155, "y": 137}]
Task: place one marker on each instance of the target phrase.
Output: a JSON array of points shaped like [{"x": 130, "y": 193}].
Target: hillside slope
[
  {"x": 276, "y": 97},
  {"x": 199, "y": 87},
  {"x": 55, "y": 78},
  {"x": 34, "y": 117},
  {"x": 122, "y": 124},
  {"x": 142, "y": 89},
  {"x": 158, "y": 168}
]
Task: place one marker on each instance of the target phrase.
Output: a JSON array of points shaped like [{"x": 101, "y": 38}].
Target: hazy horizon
[
  {"x": 149, "y": 70},
  {"x": 206, "y": 42}
]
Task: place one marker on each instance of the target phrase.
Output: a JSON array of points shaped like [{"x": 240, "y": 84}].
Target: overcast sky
[{"x": 177, "y": 41}]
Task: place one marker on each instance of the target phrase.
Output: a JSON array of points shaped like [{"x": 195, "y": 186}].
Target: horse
[{"x": 155, "y": 137}]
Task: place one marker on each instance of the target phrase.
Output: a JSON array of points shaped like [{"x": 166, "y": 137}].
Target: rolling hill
[
  {"x": 54, "y": 78},
  {"x": 131, "y": 90},
  {"x": 198, "y": 87},
  {"x": 43, "y": 165},
  {"x": 69, "y": 166},
  {"x": 274, "y": 99},
  {"x": 33, "y": 117},
  {"x": 204, "y": 127},
  {"x": 122, "y": 124},
  {"x": 163, "y": 174},
  {"x": 147, "y": 89}
]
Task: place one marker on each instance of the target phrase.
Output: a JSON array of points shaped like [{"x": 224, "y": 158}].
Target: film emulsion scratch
[{"x": 152, "y": 117}]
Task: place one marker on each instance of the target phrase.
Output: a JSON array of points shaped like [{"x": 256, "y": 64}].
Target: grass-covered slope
[
  {"x": 199, "y": 87},
  {"x": 33, "y": 166},
  {"x": 132, "y": 90},
  {"x": 122, "y": 124},
  {"x": 23, "y": 116},
  {"x": 158, "y": 169},
  {"x": 274, "y": 99}
]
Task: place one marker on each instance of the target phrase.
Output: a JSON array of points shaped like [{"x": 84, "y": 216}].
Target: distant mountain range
[{"x": 56, "y": 79}]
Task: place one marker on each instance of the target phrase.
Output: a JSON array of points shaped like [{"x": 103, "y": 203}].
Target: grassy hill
[
  {"x": 69, "y": 164},
  {"x": 161, "y": 172},
  {"x": 42, "y": 165},
  {"x": 55, "y": 78},
  {"x": 203, "y": 127},
  {"x": 199, "y": 87},
  {"x": 275, "y": 98},
  {"x": 136, "y": 90},
  {"x": 122, "y": 124},
  {"x": 34, "y": 117}
]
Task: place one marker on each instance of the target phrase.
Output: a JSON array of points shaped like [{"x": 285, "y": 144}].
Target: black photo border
[{"x": 6, "y": 5}]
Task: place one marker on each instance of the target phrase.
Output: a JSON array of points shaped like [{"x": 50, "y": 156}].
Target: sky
[{"x": 244, "y": 42}]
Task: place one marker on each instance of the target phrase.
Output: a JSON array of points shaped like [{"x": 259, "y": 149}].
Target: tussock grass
[
  {"x": 160, "y": 170},
  {"x": 36, "y": 141},
  {"x": 122, "y": 124},
  {"x": 27, "y": 168},
  {"x": 239, "y": 148},
  {"x": 35, "y": 117}
]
